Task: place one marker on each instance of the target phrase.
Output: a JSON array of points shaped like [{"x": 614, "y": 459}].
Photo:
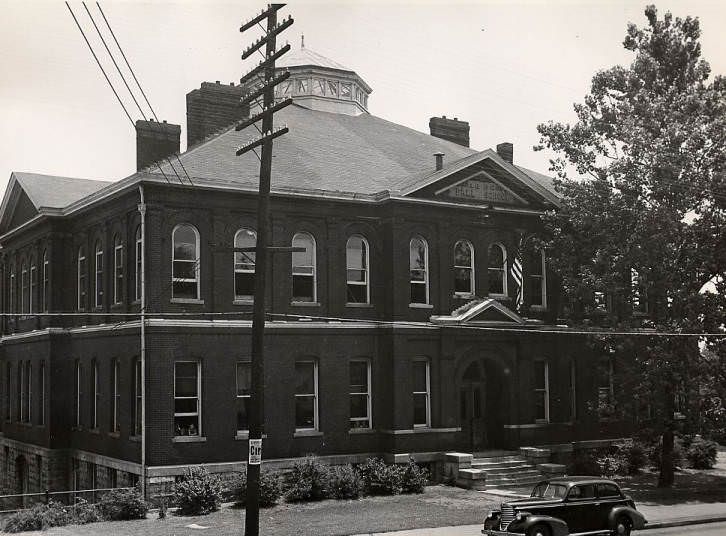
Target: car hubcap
[{"x": 622, "y": 529}]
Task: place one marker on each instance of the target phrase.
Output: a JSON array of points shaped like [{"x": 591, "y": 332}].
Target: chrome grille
[{"x": 507, "y": 516}]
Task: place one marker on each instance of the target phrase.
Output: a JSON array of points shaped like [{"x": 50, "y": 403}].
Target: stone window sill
[
  {"x": 304, "y": 304},
  {"x": 420, "y": 306},
  {"x": 539, "y": 308},
  {"x": 243, "y": 302},
  {"x": 360, "y": 305},
  {"x": 189, "y": 439},
  {"x": 187, "y": 300},
  {"x": 95, "y": 431},
  {"x": 115, "y": 435},
  {"x": 307, "y": 433},
  {"x": 135, "y": 438},
  {"x": 359, "y": 431},
  {"x": 244, "y": 436}
]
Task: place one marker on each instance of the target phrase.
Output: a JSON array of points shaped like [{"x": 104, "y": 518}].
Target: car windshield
[{"x": 545, "y": 490}]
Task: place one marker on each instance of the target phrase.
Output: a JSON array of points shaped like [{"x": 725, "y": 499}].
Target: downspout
[{"x": 142, "y": 211}]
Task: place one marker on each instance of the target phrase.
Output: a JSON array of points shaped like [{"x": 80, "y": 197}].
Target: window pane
[
  {"x": 539, "y": 405},
  {"x": 185, "y": 243},
  {"x": 243, "y": 409},
  {"x": 417, "y": 254},
  {"x": 302, "y": 288},
  {"x": 244, "y": 378},
  {"x": 358, "y": 377},
  {"x": 419, "y": 376},
  {"x": 496, "y": 283},
  {"x": 356, "y": 254},
  {"x": 185, "y": 379},
  {"x": 245, "y": 238},
  {"x": 357, "y": 294},
  {"x": 539, "y": 374},
  {"x": 462, "y": 280},
  {"x": 462, "y": 254},
  {"x": 185, "y": 405},
  {"x": 496, "y": 257},
  {"x": 185, "y": 270},
  {"x": 304, "y": 412},
  {"x": 186, "y": 426},
  {"x": 419, "y": 409},
  {"x": 358, "y": 276},
  {"x": 302, "y": 258},
  {"x": 305, "y": 378},
  {"x": 418, "y": 293},
  {"x": 183, "y": 289},
  {"x": 358, "y": 406},
  {"x": 244, "y": 284},
  {"x": 535, "y": 288}
]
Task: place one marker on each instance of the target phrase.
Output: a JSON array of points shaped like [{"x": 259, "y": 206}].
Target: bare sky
[{"x": 502, "y": 66}]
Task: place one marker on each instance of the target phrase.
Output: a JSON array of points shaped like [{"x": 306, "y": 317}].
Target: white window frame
[
  {"x": 33, "y": 285},
  {"x": 314, "y": 267},
  {"x": 197, "y": 280},
  {"x": 239, "y": 396},
  {"x": 365, "y": 269},
  {"x": 316, "y": 416},
  {"x": 197, "y": 413},
  {"x": 95, "y": 395},
  {"x": 242, "y": 267},
  {"x": 98, "y": 274},
  {"x": 470, "y": 268},
  {"x": 425, "y": 271},
  {"x": 427, "y": 392},
  {"x": 46, "y": 282},
  {"x": 81, "y": 278},
  {"x": 500, "y": 271},
  {"x": 23, "y": 287},
  {"x": 367, "y": 393},
  {"x": 542, "y": 276},
  {"x": 545, "y": 391},
  {"x": 115, "y": 396},
  {"x": 138, "y": 246},
  {"x": 118, "y": 270}
]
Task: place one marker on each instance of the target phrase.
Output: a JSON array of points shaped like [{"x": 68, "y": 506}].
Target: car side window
[
  {"x": 607, "y": 490},
  {"x": 585, "y": 491}
]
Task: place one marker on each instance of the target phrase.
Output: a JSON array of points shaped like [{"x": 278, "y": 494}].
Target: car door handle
[{"x": 597, "y": 504}]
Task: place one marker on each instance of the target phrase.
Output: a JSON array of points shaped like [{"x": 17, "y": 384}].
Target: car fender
[
  {"x": 636, "y": 517},
  {"x": 556, "y": 525}
]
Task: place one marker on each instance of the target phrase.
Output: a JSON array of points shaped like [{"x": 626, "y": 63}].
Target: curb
[{"x": 684, "y": 521}]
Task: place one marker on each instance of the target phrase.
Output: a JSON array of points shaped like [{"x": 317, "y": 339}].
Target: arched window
[
  {"x": 23, "y": 288},
  {"x": 185, "y": 263},
  {"x": 137, "y": 250},
  {"x": 98, "y": 271},
  {"x": 464, "y": 268},
  {"x": 32, "y": 297},
  {"x": 81, "y": 279},
  {"x": 497, "y": 270},
  {"x": 46, "y": 283},
  {"x": 419, "y": 272},
  {"x": 356, "y": 259},
  {"x": 537, "y": 278},
  {"x": 304, "y": 286},
  {"x": 118, "y": 269},
  {"x": 244, "y": 265},
  {"x": 12, "y": 299}
]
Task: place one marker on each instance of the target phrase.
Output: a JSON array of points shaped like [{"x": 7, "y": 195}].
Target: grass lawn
[
  {"x": 438, "y": 506},
  {"x": 690, "y": 486}
]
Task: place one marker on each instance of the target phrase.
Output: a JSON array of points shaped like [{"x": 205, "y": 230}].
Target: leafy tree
[{"x": 643, "y": 215}]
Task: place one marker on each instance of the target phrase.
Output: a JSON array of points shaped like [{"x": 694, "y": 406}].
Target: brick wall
[{"x": 211, "y": 107}]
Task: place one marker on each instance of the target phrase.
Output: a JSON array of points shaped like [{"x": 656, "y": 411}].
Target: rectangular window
[
  {"x": 118, "y": 273},
  {"x": 137, "y": 397},
  {"x": 8, "y": 388},
  {"x": 94, "y": 395},
  {"x": 33, "y": 288},
  {"x": 23, "y": 290},
  {"x": 360, "y": 394},
  {"x": 99, "y": 277},
  {"x": 41, "y": 394},
  {"x": 81, "y": 281},
  {"x": 537, "y": 279},
  {"x": 306, "y": 395},
  {"x": 77, "y": 395},
  {"x": 187, "y": 401},
  {"x": 244, "y": 383},
  {"x": 46, "y": 283},
  {"x": 20, "y": 394},
  {"x": 11, "y": 292},
  {"x": 28, "y": 392},
  {"x": 421, "y": 393},
  {"x": 115, "y": 396},
  {"x": 541, "y": 391}
]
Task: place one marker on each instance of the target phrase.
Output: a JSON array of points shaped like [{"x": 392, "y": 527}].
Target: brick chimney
[
  {"x": 506, "y": 151},
  {"x": 450, "y": 129},
  {"x": 212, "y": 107},
  {"x": 155, "y": 141}
]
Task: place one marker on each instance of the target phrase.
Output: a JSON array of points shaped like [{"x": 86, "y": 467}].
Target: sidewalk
[{"x": 658, "y": 516}]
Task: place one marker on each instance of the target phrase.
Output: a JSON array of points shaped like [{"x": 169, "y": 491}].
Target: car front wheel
[
  {"x": 623, "y": 526},
  {"x": 539, "y": 530}
]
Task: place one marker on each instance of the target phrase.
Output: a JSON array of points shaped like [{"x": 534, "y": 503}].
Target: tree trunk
[{"x": 666, "y": 476}]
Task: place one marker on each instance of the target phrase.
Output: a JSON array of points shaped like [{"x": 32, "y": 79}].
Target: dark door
[
  {"x": 472, "y": 411},
  {"x": 581, "y": 510}
]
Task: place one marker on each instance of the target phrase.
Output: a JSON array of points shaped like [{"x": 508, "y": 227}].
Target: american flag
[{"x": 516, "y": 272}]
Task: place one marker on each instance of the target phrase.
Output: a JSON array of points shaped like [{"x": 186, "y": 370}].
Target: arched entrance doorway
[{"x": 482, "y": 404}]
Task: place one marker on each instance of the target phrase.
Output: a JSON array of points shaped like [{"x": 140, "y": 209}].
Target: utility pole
[{"x": 266, "y": 89}]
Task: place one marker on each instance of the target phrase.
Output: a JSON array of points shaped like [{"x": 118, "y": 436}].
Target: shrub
[
  {"x": 635, "y": 456},
  {"x": 584, "y": 462},
  {"x": 122, "y": 504},
  {"x": 84, "y": 512},
  {"x": 414, "y": 478},
  {"x": 270, "y": 489},
  {"x": 39, "y": 517},
  {"x": 381, "y": 479},
  {"x": 308, "y": 481},
  {"x": 198, "y": 492},
  {"x": 701, "y": 454},
  {"x": 344, "y": 482},
  {"x": 610, "y": 465}
]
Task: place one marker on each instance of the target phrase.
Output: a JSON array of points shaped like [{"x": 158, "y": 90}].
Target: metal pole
[
  {"x": 142, "y": 357},
  {"x": 257, "y": 417}
]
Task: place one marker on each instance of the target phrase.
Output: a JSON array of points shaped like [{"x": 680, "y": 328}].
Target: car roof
[{"x": 572, "y": 480}]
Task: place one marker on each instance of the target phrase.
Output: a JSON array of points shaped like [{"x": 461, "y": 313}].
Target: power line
[
  {"x": 138, "y": 84},
  {"x": 100, "y": 66}
]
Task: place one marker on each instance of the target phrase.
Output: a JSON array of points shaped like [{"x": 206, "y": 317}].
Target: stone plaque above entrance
[{"x": 482, "y": 188}]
